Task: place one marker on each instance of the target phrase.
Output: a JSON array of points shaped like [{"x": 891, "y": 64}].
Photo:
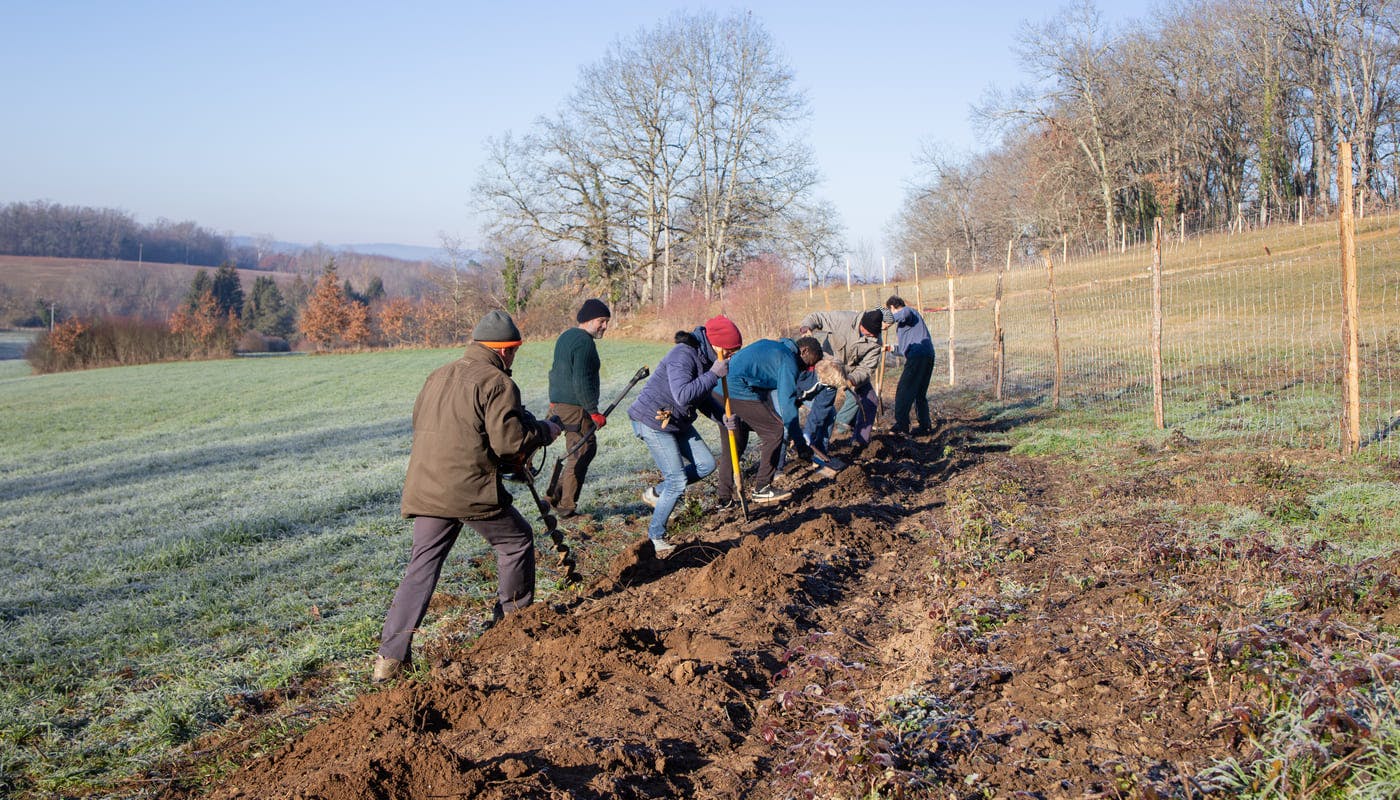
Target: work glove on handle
[
  {"x": 598, "y": 420},
  {"x": 720, "y": 368},
  {"x": 887, "y": 316},
  {"x": 731, "y": 423}
]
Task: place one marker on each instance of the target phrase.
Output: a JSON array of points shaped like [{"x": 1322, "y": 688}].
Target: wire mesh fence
[{"x": 1251, "y": 345}]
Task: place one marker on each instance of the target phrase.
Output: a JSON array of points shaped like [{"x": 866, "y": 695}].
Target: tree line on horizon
[
  {"x": 52, "y": 230},
  {"x": 1209, "y": 114}
]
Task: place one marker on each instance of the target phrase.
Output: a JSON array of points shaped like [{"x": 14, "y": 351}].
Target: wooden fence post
[
  {"x": 952, "y": 318},
  {"x": 1351, "y": 383},
  {"x": 1054, "y": 328},
  {"x": 999, "y": 335},
  {"x": 1158, "y": 406},
  {"x": 918, "y": 290}
]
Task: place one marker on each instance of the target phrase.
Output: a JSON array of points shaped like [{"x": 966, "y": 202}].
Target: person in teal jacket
[{"x": 763, "y": 395}]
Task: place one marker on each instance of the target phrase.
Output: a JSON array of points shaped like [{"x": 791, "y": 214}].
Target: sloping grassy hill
[{"x": 174, "y": 537}]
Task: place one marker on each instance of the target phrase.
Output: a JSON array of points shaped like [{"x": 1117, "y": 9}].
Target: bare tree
[
  {"x": 742, "y": 104},
  {"x": 1072, "y": 57}
]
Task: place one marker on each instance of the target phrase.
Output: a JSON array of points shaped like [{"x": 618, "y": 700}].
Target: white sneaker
[
  {"x": 661, "y": 546},
  {"x": 650, "y": 497}
]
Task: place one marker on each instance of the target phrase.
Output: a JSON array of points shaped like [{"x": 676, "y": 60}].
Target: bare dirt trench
[{"x": 941, "y": 619}]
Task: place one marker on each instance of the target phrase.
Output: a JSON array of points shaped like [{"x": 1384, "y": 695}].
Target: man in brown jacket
[{"x": 468, "y": 423}]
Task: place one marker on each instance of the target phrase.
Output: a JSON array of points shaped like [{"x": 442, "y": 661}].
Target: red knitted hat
[{"x": 722, "y": 332}]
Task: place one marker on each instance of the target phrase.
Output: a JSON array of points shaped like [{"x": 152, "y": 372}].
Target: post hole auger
[
  {"x": 567, "y": 564},
  {"x": 641, "y": 375},
  {"x": 523, "y": 469}
]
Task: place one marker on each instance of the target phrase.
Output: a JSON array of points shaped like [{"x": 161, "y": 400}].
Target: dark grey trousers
[
  {"x": 913, "y": 391},
  {"x": 756, "y": 416},
  {"x": 508, "y": 534}
]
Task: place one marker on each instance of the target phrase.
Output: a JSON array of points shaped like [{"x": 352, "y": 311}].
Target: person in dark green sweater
[{"x": 573, "y": 397}]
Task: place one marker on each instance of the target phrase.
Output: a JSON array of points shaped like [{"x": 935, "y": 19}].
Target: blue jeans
[
  {"x": 683, "y": 459},
  {"x": 822, "y": 416}
]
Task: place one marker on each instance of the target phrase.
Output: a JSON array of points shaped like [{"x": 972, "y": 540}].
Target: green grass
[{"x": 175, "y": 535}]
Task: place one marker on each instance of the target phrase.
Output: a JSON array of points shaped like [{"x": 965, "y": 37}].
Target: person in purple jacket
[{"x": 663, "y": 416}]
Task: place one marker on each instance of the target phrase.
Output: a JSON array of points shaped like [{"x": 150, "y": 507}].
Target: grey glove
[
  {"x": 720, "y": 368},
  {"x": 888, "y": 316},
  {"x": 731, "y": 423}
]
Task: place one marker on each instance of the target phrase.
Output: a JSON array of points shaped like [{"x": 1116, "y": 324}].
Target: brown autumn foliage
[
  {"x": 758, "y": 300},
  {"x": 325, "y": 319},
  {"x": 398, "y": 323},
  {"x": 357, "y": 331},
  {"x": 64, "y": 336},
  {"x": 204, "y": 331}
]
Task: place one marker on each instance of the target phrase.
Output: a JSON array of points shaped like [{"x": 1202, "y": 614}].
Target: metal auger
[{"x": 566, "y": 563}]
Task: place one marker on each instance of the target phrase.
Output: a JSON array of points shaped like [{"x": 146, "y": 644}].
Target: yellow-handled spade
[{"x": 733, "y": 447}]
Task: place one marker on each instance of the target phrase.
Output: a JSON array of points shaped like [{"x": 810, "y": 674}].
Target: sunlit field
[{"x": 177, "y": 538}]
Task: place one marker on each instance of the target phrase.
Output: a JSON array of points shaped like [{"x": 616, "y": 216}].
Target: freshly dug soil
[{"x": 1041, "y": 635}]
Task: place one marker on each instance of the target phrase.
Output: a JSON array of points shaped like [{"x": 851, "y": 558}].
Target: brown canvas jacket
[
  {"x": 468, "y": 418},
  {"x": 858, "y": 352}
]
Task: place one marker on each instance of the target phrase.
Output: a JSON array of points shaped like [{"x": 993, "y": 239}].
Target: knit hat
[
  {"x": 872, "y": 321},
  {"x": 593, "y": 308},
  {"x": 496, "y": 329},
  {"x": 723, "y": 333}
]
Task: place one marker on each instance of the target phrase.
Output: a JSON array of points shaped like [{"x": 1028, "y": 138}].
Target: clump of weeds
[
  {"x": 1329, "y": 725},
  {"x": 840, "y": 745}
]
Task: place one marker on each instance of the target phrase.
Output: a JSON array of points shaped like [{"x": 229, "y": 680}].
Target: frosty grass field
[{"x": 174, "y": 535}]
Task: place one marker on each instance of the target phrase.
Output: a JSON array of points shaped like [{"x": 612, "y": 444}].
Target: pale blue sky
[{"x": 353, "y": 122}]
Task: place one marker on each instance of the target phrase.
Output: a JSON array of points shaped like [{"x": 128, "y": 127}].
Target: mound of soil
[{"x": 760, "y": 657}]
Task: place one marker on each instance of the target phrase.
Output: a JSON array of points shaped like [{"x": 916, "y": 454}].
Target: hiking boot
[
  {"x": 770, "y": 494},
  {"x": 650, "y": 497},
  {"x": 661, "y": 547},
  {"x": 386, "y": 669}
]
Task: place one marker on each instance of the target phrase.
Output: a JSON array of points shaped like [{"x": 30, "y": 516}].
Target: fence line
[{"x": 1251, "y": 341}]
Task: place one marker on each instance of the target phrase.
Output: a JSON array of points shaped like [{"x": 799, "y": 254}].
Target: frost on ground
[{"x": 942, "y": 619}]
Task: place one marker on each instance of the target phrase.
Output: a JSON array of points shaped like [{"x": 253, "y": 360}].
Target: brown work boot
[{"x": 387, "y": 669}]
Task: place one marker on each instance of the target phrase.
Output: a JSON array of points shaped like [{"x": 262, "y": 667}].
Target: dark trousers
[
  {"x": 565, "y": 497},
  {"x": 913, "y": 391},
  {"x": 753, "y": 416},
  {"x": 508, "y": 534}
]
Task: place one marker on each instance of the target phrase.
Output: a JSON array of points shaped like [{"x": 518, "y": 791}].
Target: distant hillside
[{"x": 405, "y": 252}]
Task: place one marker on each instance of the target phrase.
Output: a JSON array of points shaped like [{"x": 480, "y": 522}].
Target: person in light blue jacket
[{"x": 763, "y": 394}]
